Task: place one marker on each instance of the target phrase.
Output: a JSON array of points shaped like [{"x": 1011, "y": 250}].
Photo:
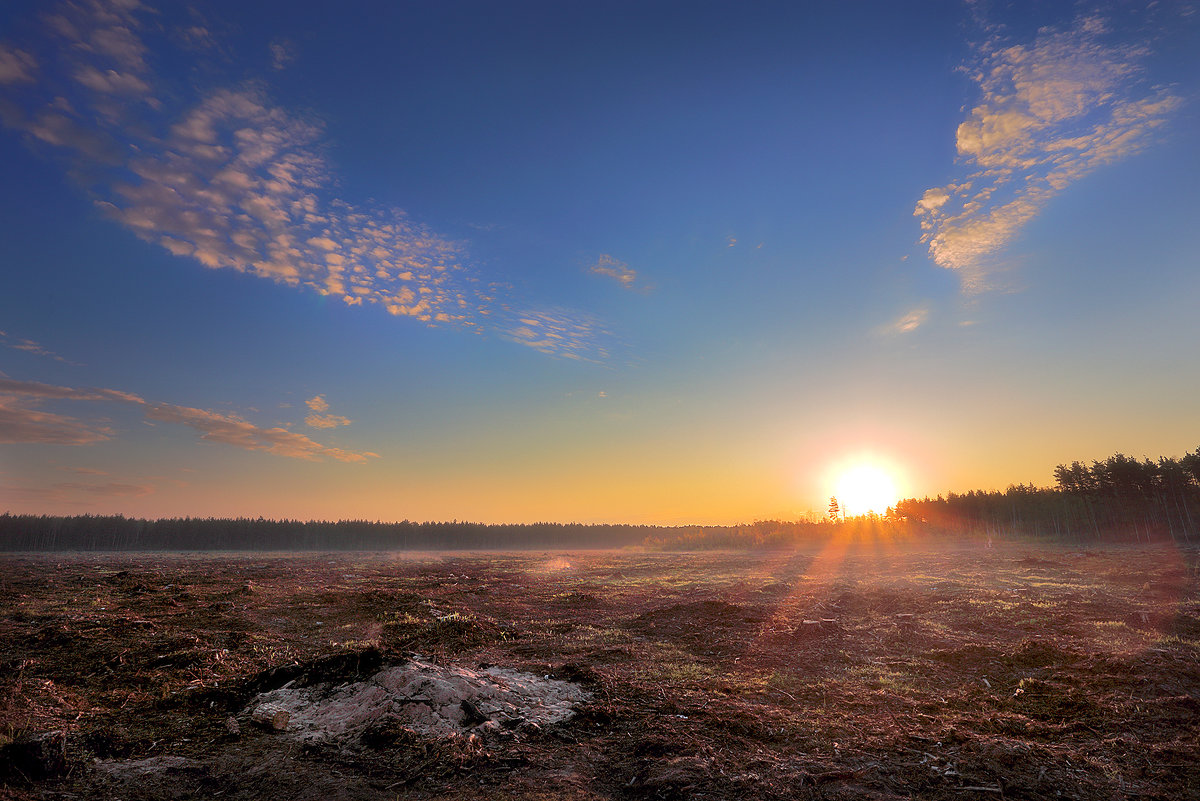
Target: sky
[{"x": 647, "y": 262}]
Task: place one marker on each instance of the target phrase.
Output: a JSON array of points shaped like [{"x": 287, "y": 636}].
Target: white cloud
[
  {"x": 614, "y": 268},
  {"x": 196, "y": 37},
  {"x": 29, "y": 346},
  {"x": 16, "y": 66},
  {"x": 112, "y": 82},
  {"x": 282, "y": 54},
  {"x": 326, "y": 421},
  {"x": 909, "y": 322},
  {"x": 22, "y": 421},
  {"x": 932, "y": 200},
  {"x": 108, "y": 32},
  {"x": 1050, "y": 112},
  {"x": 559, "y": 333},
  {"x": 38, "y": 390},
  {"x": 234, "y": 181},
  {"x": 237, "y": 185},
  {"x": 233, "y": 430},
  {"x": 318, "y": 418}
]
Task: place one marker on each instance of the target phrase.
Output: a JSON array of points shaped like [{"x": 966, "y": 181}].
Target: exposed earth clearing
[{"x": 868, "y": 669}]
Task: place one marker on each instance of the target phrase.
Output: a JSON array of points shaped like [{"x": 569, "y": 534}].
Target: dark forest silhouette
[
  {"x": 119, "y": 533},
  {"x": 1120, "y": 499}
]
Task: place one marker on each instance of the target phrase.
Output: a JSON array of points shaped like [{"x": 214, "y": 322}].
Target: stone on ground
[{"x": 431, "y": 700}]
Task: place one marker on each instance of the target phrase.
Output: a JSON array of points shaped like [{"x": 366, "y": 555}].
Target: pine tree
[{"x": 835, "y": 511}]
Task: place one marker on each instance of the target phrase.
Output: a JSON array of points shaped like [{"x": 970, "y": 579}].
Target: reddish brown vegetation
[{"x": 852, "y": 673}]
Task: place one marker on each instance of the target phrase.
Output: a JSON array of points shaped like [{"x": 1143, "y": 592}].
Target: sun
[{"x": 864, "y": 488}]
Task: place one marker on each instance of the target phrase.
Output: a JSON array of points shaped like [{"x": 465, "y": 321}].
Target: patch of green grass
[
  {"x": 594, "y": 635},
  {"x": 671, "y": 666},
  {"x": 1173, "y": 639},
  {"x": 1046, "y": 584},
  {"x": 879, "y": 677},
  {"x": 352, "y": 645},
  {"x": 994, "y": 604}
]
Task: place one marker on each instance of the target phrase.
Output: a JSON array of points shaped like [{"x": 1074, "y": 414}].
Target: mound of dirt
[
  {"x": 697, "y": 614},
  {"x": 444, "y": 633},
  {"x": 430, "y": 700}
]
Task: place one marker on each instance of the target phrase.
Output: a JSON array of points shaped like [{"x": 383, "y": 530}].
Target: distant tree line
[
  {"x": 119, "y": 533},
  {"x": 1119, "y": 499}
]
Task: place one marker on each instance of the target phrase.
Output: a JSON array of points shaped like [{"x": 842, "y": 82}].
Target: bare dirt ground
[{"x": 855, "y": 671}]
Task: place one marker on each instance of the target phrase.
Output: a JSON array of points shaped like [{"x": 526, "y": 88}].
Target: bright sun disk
[{"x": 865, "y": 488}]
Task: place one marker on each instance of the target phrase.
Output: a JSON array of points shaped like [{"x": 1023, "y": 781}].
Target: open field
[{"x": 857, "y": 671}]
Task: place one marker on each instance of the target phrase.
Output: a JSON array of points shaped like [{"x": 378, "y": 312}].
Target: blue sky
[{"x": 649, "y": 262}]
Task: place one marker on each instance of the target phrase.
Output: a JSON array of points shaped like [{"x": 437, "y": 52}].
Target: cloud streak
[
  {"x": 615, "y": 269},
  {"x": 231, "y": 181},
  {"x": 1051, "y": 111},
  {"x": 909, "y": 322},
  {"x": 109, "y": 489},
  {"x": 233, "y": 430},
  {"x": 560, "y": 333},
  {"x": 22, "y": 421},
  {"x": 29, "y": 346},
  {"x": 70, "y": 492},
  {"x": 16, "y": 66},
  {"x": 38, "y": 390}
]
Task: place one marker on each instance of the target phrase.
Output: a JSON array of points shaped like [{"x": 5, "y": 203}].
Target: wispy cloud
[
  {"x": 109, "y": 489},
  {"x": 195, "y": 37},
  {"x": 560, "y": 333},
  {"x": 233, "y": 430},
  {"x": 231, "y": 181},
  {"x": 1050, "y": 112},
  {"x": 22, "y": 421},
  {"x": 29, "y": 346},
  {"x": 16, "y": 66},
  {"x": 283, "y": 53},
  {"x": 908, "y": 322},
  {"x": 70, "y": 492},
  {"x": 318, "y": 417},
  {"x": 616, "y": 269},
  {"x": 36, "y": 389}
]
